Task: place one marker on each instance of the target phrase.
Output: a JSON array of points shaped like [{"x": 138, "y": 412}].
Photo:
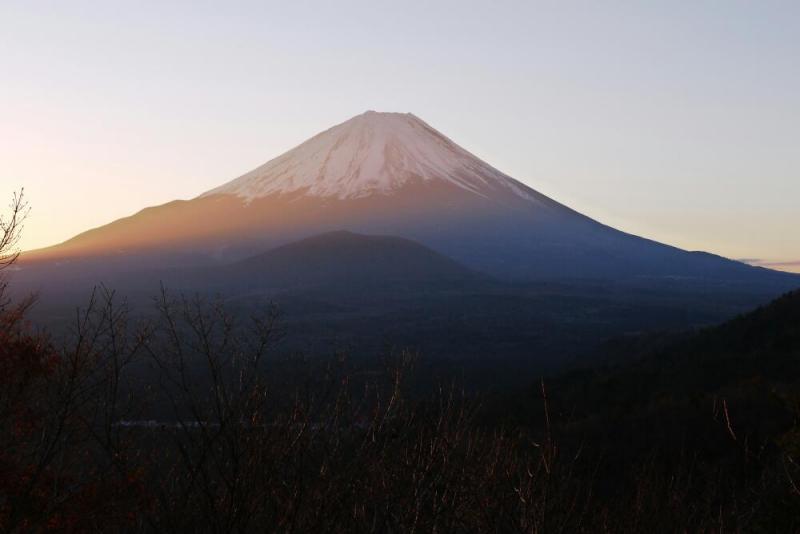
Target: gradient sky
[{"x": 678, "y": 121}]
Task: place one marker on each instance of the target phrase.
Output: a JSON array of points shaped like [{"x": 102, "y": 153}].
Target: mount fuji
[{"x": 393, "y": 174}]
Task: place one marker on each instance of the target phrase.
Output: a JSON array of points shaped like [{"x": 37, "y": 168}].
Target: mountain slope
[
  {"x": 391, "y": 173},
  {"x": 760, "y": 349}
]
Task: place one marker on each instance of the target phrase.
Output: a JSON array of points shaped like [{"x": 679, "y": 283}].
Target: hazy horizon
[{"x": 673, "y": 123}]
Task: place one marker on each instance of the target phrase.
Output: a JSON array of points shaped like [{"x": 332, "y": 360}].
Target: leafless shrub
[
  {"x": 11, "y": 229},
  {"x": 10, "y": 233}
]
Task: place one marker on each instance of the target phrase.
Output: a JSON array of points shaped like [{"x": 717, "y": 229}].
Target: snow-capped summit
[{"x": 372, "y": 153}]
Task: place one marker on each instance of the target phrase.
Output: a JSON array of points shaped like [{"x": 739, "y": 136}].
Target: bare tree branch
[{"x": 11, "y": 229}]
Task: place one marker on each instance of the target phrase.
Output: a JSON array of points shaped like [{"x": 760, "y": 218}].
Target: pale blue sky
[{"x": 678, "y": 121}]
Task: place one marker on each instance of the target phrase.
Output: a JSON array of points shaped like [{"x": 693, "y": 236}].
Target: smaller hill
[
  {"x": 763, "y": 345},
  {"x": 345, "y": 259},
  {"x": 671, "y": 393}
]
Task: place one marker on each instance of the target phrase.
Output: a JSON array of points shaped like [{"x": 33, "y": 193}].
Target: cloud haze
[{"x": 787, "y": 265}]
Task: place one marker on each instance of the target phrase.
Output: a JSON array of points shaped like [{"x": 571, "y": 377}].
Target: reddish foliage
[{"x": 36, "y": 491}]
